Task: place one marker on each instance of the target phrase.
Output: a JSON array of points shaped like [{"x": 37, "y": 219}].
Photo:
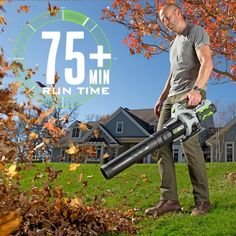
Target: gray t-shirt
[{"x": 183, "y": 58}]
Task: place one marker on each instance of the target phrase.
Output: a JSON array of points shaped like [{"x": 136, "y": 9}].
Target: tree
[
  {"x": 69, "y": 112},
  {"x": 148, "y": 36},
  {"x": 39, "y": 134},
  {"x": 97, "y": 117}
]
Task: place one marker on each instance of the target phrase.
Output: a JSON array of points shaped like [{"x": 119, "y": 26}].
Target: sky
[{"x": 134, "y": 81}]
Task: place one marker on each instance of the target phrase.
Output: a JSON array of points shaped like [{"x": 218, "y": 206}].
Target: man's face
[{"x": 169, "y": 18}]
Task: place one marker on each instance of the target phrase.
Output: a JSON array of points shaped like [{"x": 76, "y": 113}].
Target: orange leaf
[
  {"x": 9, "y": 222},
  {"x": 2, "y": 20},
  {"x": 43, "y": 115},
  {"x": 96, "y": 133},
  {"x": 14, "y": 88},
  {"x": 72, "y": 149},
  {"x": 28, "y": 92},
  {"x": 75, "y": 202},
  {"x": 129, "y": 213},
  {"x": 12, "y": 170},
  {"x": 106, "y": 155},
  {"x": 30, "y": 73},
  {"x": 83, "y": 126},
  {"x": 53, "y": 10},
  {"x": 73, "y": 166},
  {"x": 1, "y": 166},
  {"x": 33, "y": 136},
  {"x": 50, "y": 126},
  {"x": 80, "y": 178},
  {"x": 23, "y": 8}
]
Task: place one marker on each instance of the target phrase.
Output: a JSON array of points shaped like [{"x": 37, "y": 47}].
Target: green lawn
[{"x": 137, "y": 188}]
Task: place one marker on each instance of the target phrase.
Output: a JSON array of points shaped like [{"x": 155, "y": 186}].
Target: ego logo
[{"x": 82, "y": 58}]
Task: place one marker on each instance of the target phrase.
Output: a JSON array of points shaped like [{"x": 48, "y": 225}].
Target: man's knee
[{"x": 164, "y": 153}]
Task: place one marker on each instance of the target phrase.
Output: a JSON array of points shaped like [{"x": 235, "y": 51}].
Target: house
[
  {"x": 223, "y": 143},
  {"x": 122, "y": 130}
]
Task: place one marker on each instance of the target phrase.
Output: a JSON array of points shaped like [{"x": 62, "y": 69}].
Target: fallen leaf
[
  {"x": 80, "y": 178},
  {"x": 75, "y": 202},
  {"x": 129, "y": 213},
  {"x": 9, "y": 222},
  {"x": 12, "y": 170},
  {"x": 1, "y": 166},
  {"x": 73, "y": 166}
]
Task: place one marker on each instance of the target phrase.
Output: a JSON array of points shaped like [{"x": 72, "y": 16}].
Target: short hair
[{"x": 168, "y": 5}]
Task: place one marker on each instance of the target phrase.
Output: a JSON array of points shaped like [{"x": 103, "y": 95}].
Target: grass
[{"x": 138, "y": 187}]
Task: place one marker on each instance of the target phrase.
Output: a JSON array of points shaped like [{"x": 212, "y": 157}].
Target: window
[
  {"x": 63, "y": 155},
  {"x": 98, "y": 152},
  {"x": 75, "y": 132},
  {"x": 229, "y": 151},
  {"x": 176, "y": 154},
  {"x": 119, "y": 127}
]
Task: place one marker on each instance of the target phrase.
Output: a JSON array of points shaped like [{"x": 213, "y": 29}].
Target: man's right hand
[{"x": 157, "y": 108}]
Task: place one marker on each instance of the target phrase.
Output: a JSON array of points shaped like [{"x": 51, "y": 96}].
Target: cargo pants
[{"x": 194, "y": 156}]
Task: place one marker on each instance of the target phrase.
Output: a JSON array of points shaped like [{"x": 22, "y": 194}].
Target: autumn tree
[{"x": 149, "y": 37}]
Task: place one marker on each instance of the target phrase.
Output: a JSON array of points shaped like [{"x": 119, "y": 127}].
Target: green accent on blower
[
  {"x": 207, "y": 115},
  {"x": 204, "y": 108}
]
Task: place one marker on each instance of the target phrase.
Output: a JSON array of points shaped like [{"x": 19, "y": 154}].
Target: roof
[
  {"x": 146, "y": 115},
  {"x": 222, "y": 131},
  {"x": 103, "y": 129},
  {"x": 141, "y": 117}
]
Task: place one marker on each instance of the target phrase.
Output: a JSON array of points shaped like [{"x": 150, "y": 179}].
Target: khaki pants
[{"x": 193, "y": 154}]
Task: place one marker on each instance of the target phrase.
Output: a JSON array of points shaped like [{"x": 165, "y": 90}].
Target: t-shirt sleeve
[{"x": 199, "y": 37}]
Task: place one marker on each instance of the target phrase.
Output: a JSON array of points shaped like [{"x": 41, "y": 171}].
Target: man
[{"x": 191, "y": 66}]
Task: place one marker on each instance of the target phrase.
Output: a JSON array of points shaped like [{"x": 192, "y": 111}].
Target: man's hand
[
  {"x": 157, "y": 108},
  {"x": 194, "y": 98}
]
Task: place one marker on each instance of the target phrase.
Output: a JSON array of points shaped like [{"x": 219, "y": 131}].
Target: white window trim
[
  {"x": 117, "y": 123},
  {"x": 232, "y": 150},
  {"x": 211, "y": 152}
]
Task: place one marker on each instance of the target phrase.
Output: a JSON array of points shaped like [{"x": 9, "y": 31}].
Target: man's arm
[
  {"x": 163, "y": 96},
  {"x": 204, "y": 56}
]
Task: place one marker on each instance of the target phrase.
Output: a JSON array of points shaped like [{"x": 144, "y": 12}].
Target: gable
[
  {"x": 130, "y": 127},
  {"x": 98, "y": 135},
  {"x": 230, "y": 135}
]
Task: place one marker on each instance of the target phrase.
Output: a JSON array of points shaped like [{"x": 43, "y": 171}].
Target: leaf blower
[{"x": 184, "y": 123}]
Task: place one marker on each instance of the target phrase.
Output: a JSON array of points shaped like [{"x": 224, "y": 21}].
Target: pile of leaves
[{"x": 47, "y": 210}]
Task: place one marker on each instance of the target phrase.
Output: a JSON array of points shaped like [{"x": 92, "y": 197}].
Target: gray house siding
[
  {"x": 230, "y": 138},
  {"x": 223, "y": 145},
  {"x": 129, "y": 128}
]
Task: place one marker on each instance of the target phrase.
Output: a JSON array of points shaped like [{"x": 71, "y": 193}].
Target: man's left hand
[{"x": 194, "y": 98}]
